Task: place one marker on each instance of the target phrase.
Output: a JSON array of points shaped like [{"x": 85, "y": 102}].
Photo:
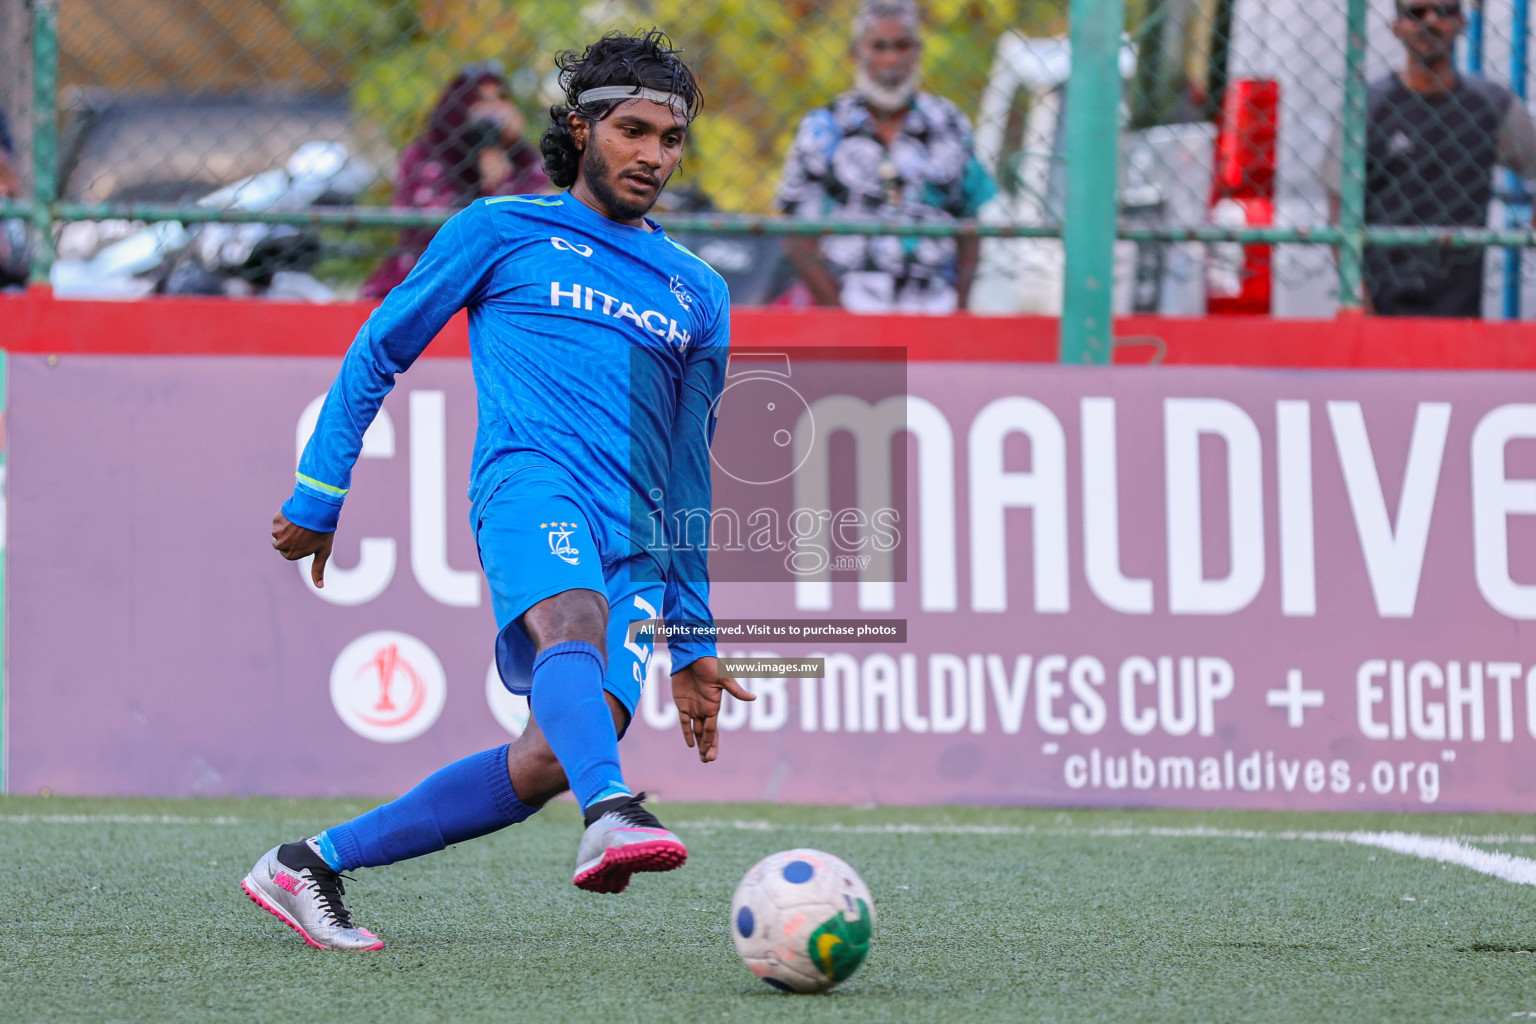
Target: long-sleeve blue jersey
[{"x": 598, "y": 347}]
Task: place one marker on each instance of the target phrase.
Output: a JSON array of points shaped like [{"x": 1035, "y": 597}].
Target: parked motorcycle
[{"x": 272, "y": 260}]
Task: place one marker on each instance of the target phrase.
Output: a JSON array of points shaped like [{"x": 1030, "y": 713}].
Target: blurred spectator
[
  {"x": 472, "y": 147},
  {"x": 13, "y": 255},
  {"x": 10, "y": 181},
  {"x": 1433, "y": 138},
  {"x": 888, "y": 153}
]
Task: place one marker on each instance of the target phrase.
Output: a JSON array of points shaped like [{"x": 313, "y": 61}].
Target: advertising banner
[{"x": 1105, "y": 587}]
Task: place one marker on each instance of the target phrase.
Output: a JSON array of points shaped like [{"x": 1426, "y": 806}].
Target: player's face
[{"x": 630, "y": 154}]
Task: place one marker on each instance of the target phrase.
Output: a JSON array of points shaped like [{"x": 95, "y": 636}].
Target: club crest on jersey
[
  {"x": 560, "y": 541},
  {"x": 684, "y": 299}
]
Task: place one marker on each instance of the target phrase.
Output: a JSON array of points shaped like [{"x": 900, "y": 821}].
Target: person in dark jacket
[{"x": 1433, "y": 138}]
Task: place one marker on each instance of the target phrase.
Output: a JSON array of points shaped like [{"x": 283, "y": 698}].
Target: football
[{"x": 802, "y": 920}]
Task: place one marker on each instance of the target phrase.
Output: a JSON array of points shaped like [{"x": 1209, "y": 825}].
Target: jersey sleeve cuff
[
  {"x": 685, "y": 654},
  {"x": 312, "y": 512}
]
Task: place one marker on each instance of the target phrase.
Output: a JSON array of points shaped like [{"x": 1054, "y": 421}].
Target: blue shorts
[{"x": 536, "y": 540}]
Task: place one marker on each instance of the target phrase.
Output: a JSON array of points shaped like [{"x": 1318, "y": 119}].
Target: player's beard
[
  {"x": 888, "y": 99},
  {"x": 601, "y": 179}
]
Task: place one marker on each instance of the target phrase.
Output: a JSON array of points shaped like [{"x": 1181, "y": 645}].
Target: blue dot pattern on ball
[
  {"x": 776, "y": 983},
  {"x": 798, "y": 871},
  {"x": 745, "y": 922}
]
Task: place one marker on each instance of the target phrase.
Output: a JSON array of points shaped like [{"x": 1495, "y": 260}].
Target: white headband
[{"x": 630, "y": 92}]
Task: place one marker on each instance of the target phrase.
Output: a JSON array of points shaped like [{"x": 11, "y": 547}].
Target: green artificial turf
[{"x": 109, "y": 913}]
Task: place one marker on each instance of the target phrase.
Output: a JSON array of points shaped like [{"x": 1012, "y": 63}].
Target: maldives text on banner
[{"x": 1180, "y": 587}]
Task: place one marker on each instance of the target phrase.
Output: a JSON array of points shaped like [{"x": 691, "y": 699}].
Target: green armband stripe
[
  {"x": 521, "y": 199},
  {"x": 324, "y": 488}
]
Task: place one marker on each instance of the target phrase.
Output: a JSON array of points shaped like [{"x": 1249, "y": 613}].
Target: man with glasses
[
  {"x": 1433, "y": 138},
  {"x": 885, "y": 152}
]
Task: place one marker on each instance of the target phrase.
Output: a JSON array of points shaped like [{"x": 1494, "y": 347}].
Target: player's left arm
[{"x": 698, "y": 686}]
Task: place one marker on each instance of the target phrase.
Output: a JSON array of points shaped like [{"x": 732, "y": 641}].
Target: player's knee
[{"x": 579, "y": 616}]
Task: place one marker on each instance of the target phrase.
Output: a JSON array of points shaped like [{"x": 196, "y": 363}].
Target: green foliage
[
  {"x": 352, "y": 25},
  {"x": 400, "y": 53},
  {"x": 763, "y": 63}
]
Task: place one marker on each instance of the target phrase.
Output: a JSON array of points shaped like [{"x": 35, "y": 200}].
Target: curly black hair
[{"x": 647, "y": 60}]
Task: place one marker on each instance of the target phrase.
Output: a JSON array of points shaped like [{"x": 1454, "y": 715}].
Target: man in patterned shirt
[{"x": 885, "y": 152}]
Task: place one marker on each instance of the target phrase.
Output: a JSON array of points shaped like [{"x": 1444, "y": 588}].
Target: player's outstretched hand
[
  {"x": 294, "y": 542},
  {"x": 697, "y": 691}
]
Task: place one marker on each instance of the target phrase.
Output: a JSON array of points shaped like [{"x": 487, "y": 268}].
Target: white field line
[
  {"x": 1519, "y": 870},
  {"x": 1447, "y": 850},
  {"x": 1195, "y": 832}
]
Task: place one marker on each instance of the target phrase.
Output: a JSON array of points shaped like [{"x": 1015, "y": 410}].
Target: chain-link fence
[
  {"x": 1236, "y": 117},
  {"x": 308, "y": 148}
]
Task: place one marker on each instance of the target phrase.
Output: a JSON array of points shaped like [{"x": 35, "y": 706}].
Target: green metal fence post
[
  {"x": 5, "y": 645},
  {"x": 1352, "y": 180},
  {"x": 45, "y": 134},
  {"x": 1093, "y": 173}
]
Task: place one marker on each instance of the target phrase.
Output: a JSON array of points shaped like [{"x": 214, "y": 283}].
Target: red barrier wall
[{"x": 186, "y": 326}]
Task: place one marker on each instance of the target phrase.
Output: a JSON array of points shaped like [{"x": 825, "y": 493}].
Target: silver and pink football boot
[
  {"x": 293, "y": 883},
  {"x": 622, "y": 838}
]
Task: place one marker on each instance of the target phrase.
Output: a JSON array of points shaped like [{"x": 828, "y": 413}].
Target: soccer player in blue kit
[{"x": 599, "y": 347}]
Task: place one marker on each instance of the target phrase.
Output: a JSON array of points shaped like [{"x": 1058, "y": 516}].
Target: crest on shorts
[{"x": 560, "y": 541}]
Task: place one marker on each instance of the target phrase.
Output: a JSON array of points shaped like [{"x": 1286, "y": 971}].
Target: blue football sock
[
  {"x": 469, "y": 798},
  {"x": 569, "y": 705}
]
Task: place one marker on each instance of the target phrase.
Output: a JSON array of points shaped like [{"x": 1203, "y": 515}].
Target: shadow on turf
[{"x": 1488, "y": 947}]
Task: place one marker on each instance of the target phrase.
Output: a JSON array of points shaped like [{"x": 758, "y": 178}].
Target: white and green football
[{"x": 802, "y": 920}]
